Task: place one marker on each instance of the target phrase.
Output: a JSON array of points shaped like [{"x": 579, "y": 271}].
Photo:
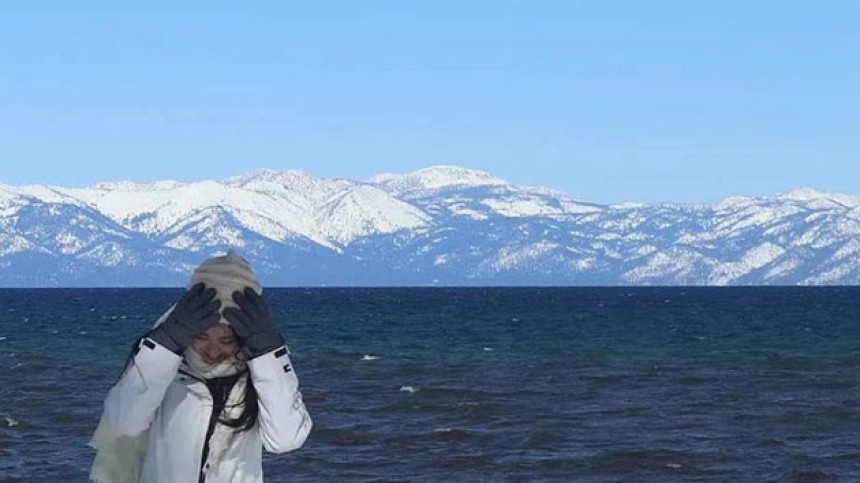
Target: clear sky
[{"x": 606, "y": 100}]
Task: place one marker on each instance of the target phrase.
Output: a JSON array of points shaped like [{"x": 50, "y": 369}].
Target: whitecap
[
  {"x": 674, "y": 465},
  {"x": 2, "y": 337},
  {"x": 55, "y": 331},
  {"x": 488, "y": 349},
  {"x": 443, "y": 430},
  {"x": 409, "y": 389},
  {"x": 11, "y": 422},
  {"x": 369, "y": 358}
]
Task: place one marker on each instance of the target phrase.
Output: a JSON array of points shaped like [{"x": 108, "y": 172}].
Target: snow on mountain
[
  {"x": 755, "y": 258},
  {"x": 382, "y": 178},
  {"x": 520, "y": 202},
  {"x": 277, "y": 205},
  {"x": 476, "y": 195},
  {"x": 366, "y": 210},
  {"x": 683, "y": 265},
  {"x": 510, "y": 257},
  {"x": 13, "y": 243},
  {"x": 134, "y": 186},
  {"x": 210, "y": 227},
  {"x": 7, "y": 193},
  {"x": 751, "y": 215},
  {"x": 155, "y": 210},
  {"x": 44, "y": 193},
  {"x": 337, "y": 211},
  {"x": 442, "y": 224},
  {"x": 434, "y": 178},
  {"x": 820, "y": 199},
  {"x": 83, "y": 230},
  {"x": 297, "y": 187}
]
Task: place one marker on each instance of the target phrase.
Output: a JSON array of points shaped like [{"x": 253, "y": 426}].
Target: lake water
[{"x": 486, "y": 384}]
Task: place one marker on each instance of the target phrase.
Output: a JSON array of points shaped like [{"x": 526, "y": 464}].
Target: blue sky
[{"x": 607, "y": 100}]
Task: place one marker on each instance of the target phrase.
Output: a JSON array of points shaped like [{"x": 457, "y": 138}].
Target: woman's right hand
[{"x": 194, "y": 314}]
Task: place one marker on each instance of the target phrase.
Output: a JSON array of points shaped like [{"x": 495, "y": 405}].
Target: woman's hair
[
  {"x": 251, "y": 410},
  {"x": 249, "y": 413}
]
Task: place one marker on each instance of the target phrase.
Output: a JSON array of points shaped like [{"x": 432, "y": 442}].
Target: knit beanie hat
[{"x": 226, "y": 274}]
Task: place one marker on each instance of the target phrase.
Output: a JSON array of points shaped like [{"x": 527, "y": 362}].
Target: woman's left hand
[{"x": 253, "y": 323}]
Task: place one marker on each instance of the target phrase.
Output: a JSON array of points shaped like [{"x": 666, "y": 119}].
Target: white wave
[
  {"x": 3, "y": 338},
  {"x": 369, "y": 358},
  {"x": 409, "y": 389},
  {"x": 488, "y": 349},
  {"x": 11, "y": 422}
]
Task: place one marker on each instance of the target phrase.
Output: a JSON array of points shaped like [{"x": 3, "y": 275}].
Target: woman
[{"x": 204, "y": 391}]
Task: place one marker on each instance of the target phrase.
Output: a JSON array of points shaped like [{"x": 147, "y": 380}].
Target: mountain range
[{"x": 442, "y": 225}]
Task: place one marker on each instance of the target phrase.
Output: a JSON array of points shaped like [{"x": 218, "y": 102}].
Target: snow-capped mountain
[{"x": 440, "y": 225}]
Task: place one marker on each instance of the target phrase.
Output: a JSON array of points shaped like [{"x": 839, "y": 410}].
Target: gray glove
[
  {"x": 253, "y": 323},
  {"x": 193, "y": 314}
]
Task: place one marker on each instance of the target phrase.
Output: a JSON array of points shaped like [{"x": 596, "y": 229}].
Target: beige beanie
[{"x": 226, "y": 274}]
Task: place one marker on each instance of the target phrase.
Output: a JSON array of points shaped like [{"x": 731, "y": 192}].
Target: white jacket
[{"x": 176, "y": 408}]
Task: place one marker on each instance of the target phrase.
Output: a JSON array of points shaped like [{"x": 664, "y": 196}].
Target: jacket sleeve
[
  {"x": 131, "y": 404},
  {"x": 284, "y": 420}
]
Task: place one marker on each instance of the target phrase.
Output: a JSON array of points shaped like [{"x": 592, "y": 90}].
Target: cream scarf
[{"x": 119, "y": 458}]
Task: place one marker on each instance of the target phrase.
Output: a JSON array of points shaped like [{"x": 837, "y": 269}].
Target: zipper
[
  {"x": 213, "y": 420},
  {"x": 217, "y": 407}
]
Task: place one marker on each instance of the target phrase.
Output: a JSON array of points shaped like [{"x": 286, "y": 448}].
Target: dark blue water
[{"x": 568, "y": 384}]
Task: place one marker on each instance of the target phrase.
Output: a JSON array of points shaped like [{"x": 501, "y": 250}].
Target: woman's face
[{"x": 216, "y": 344}]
